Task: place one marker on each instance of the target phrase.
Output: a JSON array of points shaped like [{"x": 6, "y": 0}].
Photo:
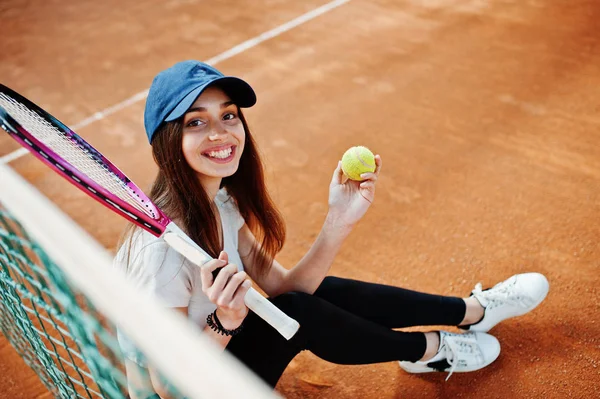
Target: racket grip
[{"x": 260, "y": 305}]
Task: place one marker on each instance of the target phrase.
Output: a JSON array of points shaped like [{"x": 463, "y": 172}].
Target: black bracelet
[{"x": 215, "y": 324}]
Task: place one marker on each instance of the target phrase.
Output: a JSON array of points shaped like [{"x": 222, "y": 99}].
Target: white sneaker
[
  {"x": 514, "y": 297},
  {"x": 458, "y": 353}
]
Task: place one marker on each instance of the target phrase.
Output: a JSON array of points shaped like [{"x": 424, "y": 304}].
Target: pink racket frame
[{"x": 155, "y": 224}]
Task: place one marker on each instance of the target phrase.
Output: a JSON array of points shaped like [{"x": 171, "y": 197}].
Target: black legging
[{"x": 345, "y": 322}]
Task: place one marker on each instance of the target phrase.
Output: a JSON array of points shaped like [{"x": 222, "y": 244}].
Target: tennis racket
[{"x": 83, "y": 166}]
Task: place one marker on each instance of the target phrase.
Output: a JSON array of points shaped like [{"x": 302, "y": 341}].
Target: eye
[
  {"x": 229, "y": 116},
  {"x": 195, "y": 123}
]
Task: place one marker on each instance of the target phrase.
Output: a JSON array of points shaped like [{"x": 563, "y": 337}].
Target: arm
[
  {"x": 227, "y": 292},
  {"x": 308, "y": 273},
  {"x": 170, "y": 280},
  {"x": 348, "y": 202}
]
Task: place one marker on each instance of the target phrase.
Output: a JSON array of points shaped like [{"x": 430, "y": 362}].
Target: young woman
[{"x": 210, "y": 181}]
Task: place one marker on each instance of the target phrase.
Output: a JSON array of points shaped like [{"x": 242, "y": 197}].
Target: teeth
[{"x": 220, "y": 154}]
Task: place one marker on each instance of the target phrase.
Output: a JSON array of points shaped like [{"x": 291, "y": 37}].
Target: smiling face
[{"x": 213, "y": 137}]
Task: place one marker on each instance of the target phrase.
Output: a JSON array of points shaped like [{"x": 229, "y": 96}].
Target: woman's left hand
[{"x": 349, "y": 199}]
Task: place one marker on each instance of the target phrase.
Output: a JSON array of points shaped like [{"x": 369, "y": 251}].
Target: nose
[{"x": 218, "y": 132}]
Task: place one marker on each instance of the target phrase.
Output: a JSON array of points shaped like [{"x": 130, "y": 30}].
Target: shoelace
[
  {"x": 501, "y": 293},
  {"x": 456, "y": 345}
]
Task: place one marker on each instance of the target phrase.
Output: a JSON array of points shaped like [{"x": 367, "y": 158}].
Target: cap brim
[{"x": 238, "y": 90}]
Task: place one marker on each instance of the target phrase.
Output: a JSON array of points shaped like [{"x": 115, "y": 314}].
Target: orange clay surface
[{"x": 486, "y": 114}]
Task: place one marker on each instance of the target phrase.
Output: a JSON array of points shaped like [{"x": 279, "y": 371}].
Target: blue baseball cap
[{"x": 174, "y": 90}]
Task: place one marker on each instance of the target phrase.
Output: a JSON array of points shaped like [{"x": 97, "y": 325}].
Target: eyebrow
[{"x": 202, "y": 109}]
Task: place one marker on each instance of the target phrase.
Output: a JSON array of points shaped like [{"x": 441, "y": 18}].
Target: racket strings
[{"x": 74, "y": 153}]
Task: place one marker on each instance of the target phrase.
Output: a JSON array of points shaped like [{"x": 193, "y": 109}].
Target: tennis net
[{"x": 61, "y": 302}]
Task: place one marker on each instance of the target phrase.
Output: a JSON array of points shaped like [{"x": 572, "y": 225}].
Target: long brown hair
[{"x": 178, "y": 192}]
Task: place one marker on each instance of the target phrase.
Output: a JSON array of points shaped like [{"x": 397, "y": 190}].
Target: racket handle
[
  {"x": 260, "y": 305},
  {"x": 284, "y": 324}
]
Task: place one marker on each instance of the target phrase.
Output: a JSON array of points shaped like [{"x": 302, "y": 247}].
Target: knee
[
  {"x": 329, "y": 285},
  {"x": 296, "y": 304},
  {"x": 291, "y": 300},
  {"x": 330, "y": 281}
]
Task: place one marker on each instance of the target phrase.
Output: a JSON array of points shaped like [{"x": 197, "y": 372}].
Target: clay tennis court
[{"x": 486, "y": 114}]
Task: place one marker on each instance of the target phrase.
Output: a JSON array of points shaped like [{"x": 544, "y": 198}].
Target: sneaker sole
[{"x": 410, "y": 367}]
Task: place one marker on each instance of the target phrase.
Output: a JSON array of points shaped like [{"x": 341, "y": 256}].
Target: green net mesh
[{"x": 53, "y": 326}]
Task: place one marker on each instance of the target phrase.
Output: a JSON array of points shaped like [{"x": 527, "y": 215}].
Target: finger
[
  {"x": 344, "y": 178},
  {"x": 221, "y": 280},
  {"x": 367, "y": 191},
  {"x": 370, "y": 176},
  {"x": 231, "y": 287},
  {"x": 378, "y": 164},
  {"x": 338, "y": 175},
  {"x": 206, "y": 272},
  {"x": 238, "y": 300},
  {"x": 222, "y": 256},
  {"x": 368, "y": 185}
]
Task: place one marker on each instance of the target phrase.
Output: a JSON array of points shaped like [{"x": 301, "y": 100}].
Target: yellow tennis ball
[{"x": 356, "y": 161}]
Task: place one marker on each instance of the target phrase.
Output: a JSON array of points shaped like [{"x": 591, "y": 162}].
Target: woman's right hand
[{"x": 227, "y": 290}]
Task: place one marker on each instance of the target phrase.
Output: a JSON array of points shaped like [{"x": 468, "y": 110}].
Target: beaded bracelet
[{"x": 215, "y": 324}]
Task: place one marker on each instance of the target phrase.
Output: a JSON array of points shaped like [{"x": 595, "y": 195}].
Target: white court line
[{"x": 248, "y": 44}]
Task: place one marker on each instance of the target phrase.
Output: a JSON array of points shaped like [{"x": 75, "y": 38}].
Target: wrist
[
  {"x": 213, "y": 322},
  {"x": 230, "y": 320},
  {"x": 337, "y": 226}
]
